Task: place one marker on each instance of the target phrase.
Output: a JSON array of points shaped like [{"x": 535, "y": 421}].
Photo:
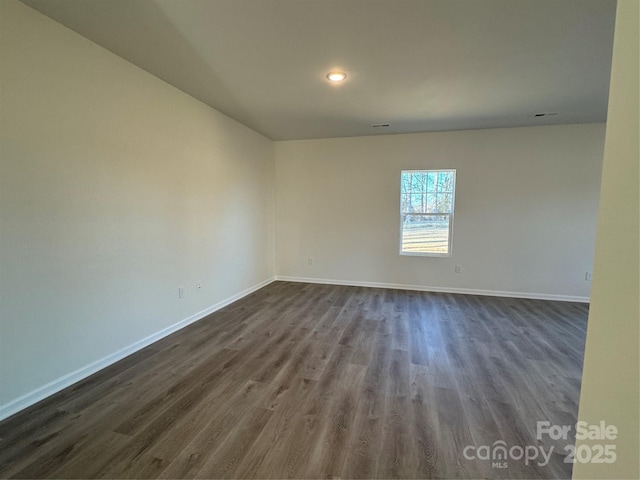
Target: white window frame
[{"x": 450, "y": 215}]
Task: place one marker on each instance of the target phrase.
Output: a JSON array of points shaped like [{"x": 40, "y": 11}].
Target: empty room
[{"x": 311, "y": 239}]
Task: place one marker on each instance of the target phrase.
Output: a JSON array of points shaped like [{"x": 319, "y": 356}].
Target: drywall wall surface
[
  {"x": 611, "y": 377},
  {"x": 525, "y": 209},
  {"x": 116, "y": 189}
]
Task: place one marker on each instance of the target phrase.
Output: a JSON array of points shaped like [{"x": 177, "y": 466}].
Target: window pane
[
  {"x": 431, "y": 203},
  {"x": 425, "y": 234},
  {"x": 444, "y": 204},
  {"x": 451, "y": 179},
  {"x": 431, "y": 181},
  {"x": 415, "y": 203},
  {"x": 445, "y": 181},
  {"x": 417, "y": 182}
]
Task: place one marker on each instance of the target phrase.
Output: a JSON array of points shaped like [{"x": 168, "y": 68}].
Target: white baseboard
[
  {"x": 423, "y": 288},
  {"x": 40, "y": 393}
]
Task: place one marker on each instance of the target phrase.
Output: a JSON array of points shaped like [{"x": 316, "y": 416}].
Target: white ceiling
[{"x": 421, "y": 65}]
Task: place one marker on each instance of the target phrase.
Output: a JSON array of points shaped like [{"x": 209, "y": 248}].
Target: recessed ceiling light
[{"x": 336, "y": 76}]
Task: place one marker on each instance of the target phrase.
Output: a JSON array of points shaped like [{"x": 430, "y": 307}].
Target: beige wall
[
  {"x": 116, "y": 188},
  {"x": 526, "y": 209},
  {"x": 611, "y": 378}
]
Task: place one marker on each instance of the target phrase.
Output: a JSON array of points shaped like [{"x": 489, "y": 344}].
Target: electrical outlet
[
  {"x": 180, "y": 292},
  {"x": 458, "y": 269},
  {"x": 310, "y": 260},
  {"x": 588, "y": 276},
  {"x": 198, "y": 286}
]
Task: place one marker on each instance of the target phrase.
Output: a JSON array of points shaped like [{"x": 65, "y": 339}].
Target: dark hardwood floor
[{"x": 319, "y": 381}]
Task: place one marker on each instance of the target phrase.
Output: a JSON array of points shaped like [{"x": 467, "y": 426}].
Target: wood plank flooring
[{"x": 319, "y": 381}]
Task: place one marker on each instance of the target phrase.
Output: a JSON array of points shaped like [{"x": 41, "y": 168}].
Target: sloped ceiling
[{"x": 420, "y": 65}]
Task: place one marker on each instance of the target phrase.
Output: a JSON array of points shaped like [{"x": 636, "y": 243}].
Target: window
[{"x": 426, "y": 212}]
